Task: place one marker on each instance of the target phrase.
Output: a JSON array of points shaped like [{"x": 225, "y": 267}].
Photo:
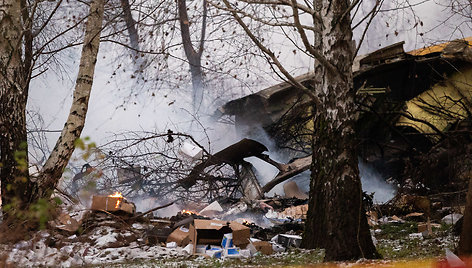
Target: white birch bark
[
  {"x": 13, "y": 96},
  {"x": 60, "y": 156}
]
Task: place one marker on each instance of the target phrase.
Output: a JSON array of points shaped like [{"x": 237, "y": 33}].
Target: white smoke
[{"x": 373, "y": 182}]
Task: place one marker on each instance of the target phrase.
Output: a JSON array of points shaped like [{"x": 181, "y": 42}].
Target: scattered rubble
[
  {"x": 222, "y": 230},
  {"x": 111, "y": 231}
]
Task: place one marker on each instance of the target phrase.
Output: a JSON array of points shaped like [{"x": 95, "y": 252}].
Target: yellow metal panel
[
  {"x": 451, "y": 97},
  {"x": 436, "y": 48}
]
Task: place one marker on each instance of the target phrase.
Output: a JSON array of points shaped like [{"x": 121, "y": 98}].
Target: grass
[
  {"x": 394, "y": 243},
  {"x": 294, "y": 257},
  {"x": 396, "y": 230}
]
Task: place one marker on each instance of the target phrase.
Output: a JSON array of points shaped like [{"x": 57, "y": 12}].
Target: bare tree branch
[{"x": 256, "y": 41}]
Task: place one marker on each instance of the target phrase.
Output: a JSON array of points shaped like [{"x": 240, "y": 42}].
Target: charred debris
[
  {"x": 414, "y": 128},
  {"x": 414, "y": 116}
]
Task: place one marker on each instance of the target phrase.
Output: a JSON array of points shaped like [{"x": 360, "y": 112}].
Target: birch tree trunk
[
  {"x": 336, "y": 220},
  {"x": 60, "y": 156},
  {"x": 13, "y": 97}
]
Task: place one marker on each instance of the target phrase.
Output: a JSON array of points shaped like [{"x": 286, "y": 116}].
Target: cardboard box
[
  {"x": 214, "y": 253},
  {"x": 422, "y": 227},
  {"x": 287, "y": 240},
  {"x": 112, "y": 204},
  {"x": 227, "y": 241},
  {"x": 211, "y": 232},
  {"x": 264, "y": 247},
  {"x": 232, "y": 252},
  {"x": 201, "y": 248},
  {"x": 241, "y": 234},
  {"x": 181, "y": 236}
]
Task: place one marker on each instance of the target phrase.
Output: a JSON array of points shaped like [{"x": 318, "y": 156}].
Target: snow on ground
[{"x": 104, "y": 245}]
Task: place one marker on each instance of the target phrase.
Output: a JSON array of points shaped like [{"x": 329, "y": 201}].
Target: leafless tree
[
  {"x": 18, "y": 189},
  {"x": 194, "y": 56},
  {"x": 161, "y": 169},
  {"x": 335, "y": 185}
]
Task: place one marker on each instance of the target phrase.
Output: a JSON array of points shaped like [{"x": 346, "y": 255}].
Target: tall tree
[
  {"x": 131, "y": 27},
  {"x": 336, "y": 219},
  {"x": 194, "y": 56},
  {"x": 13, "y": 96},
  {"x": 60, "y": 155},
  {"x": 130, "y": 24},
  {"x": 17, "y": 188}
]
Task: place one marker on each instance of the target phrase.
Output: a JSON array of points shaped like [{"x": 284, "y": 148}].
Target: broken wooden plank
[{"x": 289, "y": 170}]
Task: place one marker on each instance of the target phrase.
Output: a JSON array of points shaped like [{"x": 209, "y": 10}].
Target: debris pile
[
  {"x": 112, "y": 231},
  {"x": 234, "y": 230}
]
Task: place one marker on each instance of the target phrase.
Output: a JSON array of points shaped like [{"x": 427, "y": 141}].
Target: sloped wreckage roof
[{"x": 438, "y": 73}]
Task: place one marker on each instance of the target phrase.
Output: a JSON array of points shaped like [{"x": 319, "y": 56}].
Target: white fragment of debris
[
  {"x": 227, "y": 240},
  {"x": 138, "y": 226},
  {"x": 252, "y": 249},
  {"x": 277, "y": 248},
  {"x": 212, "y": 209},
  {"x": 171, "y": 245},
  {"x": 201, "y": 248},
  {"x": 191, "y": 151},
  {"x": 188, "y": 249},
  {"x": 451, "y": 218},
  {"x": 271, "y": 214},
  {"x": 416, "y": 236},
  {"x": 240, "y": 207}
]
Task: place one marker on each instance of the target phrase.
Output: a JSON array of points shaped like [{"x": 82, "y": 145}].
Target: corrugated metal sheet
[{"x": 435, "y": 48}]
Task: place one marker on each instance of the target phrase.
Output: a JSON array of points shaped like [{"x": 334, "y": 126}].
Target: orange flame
[
  {"x": 188, "y": 212},
  {"x": 117, "y": 194}
]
